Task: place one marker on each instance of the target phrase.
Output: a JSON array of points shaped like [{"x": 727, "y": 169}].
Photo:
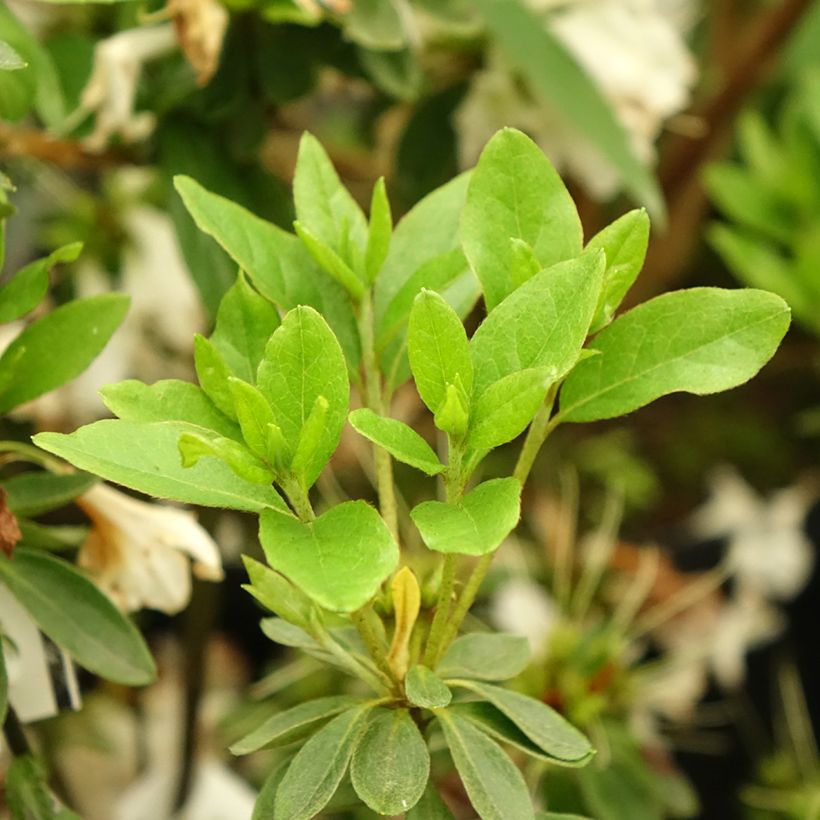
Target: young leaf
[
  {"x": 145, "y": 457},
  {"x": 244, "y": 323},
  {"x": 323, "y": 204},
  {"x": 430, "y": 807},
  {"x": 39, "y": 359},
  {"x": 485, "y": 656},
  {"x": 213, "y": 373},
  {"x": 331, "y": 262},
  {"x": 78, "y": 617},
  {"x": 453, "y": 415},
  {"x": 475, "y": 525},
  {"x": 293, "y": 724},
  {"x": 406, "y": 596},
  {"x": 254, "y": 414},
  {"x": 507, "y": 406},
  {"x": 340, "y": 559},
  {"x": 38, "y": 492},
  {"x": 276, "y": 593},
  {"x": 303, "y": 361},
  {"x": 438, "y": 349},
  {"x": 425, "y": 689},
  {"x": 319, "y": 766},
  {"x": 542, "y": 324},
  {"x": 391, "y": 764},
  {"x": 515, "y": 192},
  {"x": 167, "y": 400},
  {"x": 310, "y": 440},
  {"x": 552, "y": 733},
  {"x": 624, "y": 242},
  {"x": 698, "y": 341},
  {"x": 26, "y": 290},
  {"x": 401, "y": 441},
  {"x": 493, "y": 783},
  {"x": 193, "y": 446},
  {"x": 379, "y": 230}
]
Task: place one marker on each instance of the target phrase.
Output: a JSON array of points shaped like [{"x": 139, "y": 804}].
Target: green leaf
[
  {"x": 330, "y": 261},
  {"x": 145, "y": 457},
  {"x": 552, "y": 733},
  {"x": 310, "y": 440},
  {"x": 28, "y": 287},
  {"x": 194, "y": 446},
  {"x": 438, "y": 349},
  {"x": 78, "y": 617},
  {"x": 27, "y": 793},
  {"x": 556, "y": 77},
  {"x": 375, "y": 24},
  {"x": 542, "y": 324},
  {"x": 515, "y": 193},
  {"x": 323, "y": 204},
  {"x": 4, "y": 681},
  {"x": 485, "y": 656},
  {"x": 340, "y": 559},
  {"x": 493, "y": 783},
  {"x": 401, "y": 441},
  {"x": 698, "y": 341},
  {"x": 557, "y": 815},
  {"x": 59, "y": 538},
  {"x": 276, "y": 593},
  {"x": 453, "y": 415},
  {"x": 624, "y": 242},
  {"x": 293, "y": 724},
  {"x": 167, "y": 400},
  {"x": 430, "y": 807},
  {"x": 475, "y": 525},
  {"x": 391, "y": 764},
  {"x": 425, "y": 689},
  {"x": 254, "y": 415},
  {"x": 38, "y": 492},
  {"x": 302, "y": 362},
  {"x": 39, "y": 359},
  {"x": 287, "y": 634},
  {"x": 244, "y": 323},
  {"x": 378, "y": 232},
  {"x": 265, "y": 802},
  {"x": 213, "y": 373},
  {"x": 507, "y": 406},
  {"x": 318, "y": 768},
  {"x": 10, "y": 60}
]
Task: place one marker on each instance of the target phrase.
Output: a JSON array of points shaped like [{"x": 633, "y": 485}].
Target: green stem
[
  {"x": 35, "y": 455},
  {"x": 375, "y": 401},
  {"x": 357, "y": 669},
  {"x": 361, "y": 620},
  {"x": 540, "y": 428},
  {"x": 439, "y": 626},
  {"x": 298, "y": 498}
]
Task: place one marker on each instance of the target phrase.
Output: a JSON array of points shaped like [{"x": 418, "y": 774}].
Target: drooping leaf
[
  {"x": 541, "y": 324},
  {"x": 39, "y": 359},
  {"x": 276, "y": 593},
  {"x": 287, "y": 634},
  {"x": 485, "y": 656},
  {"x": 293, "y": 724},
  {"x": 425, "y": 689},
  {"x": 516, "y": 193},
  {"x": 438, "y": 349},
  {"x": 391, "y": 764},
  {"x": 340, "y": 559},
  {"x": 319, "y": 766},
  {"x": 553, "y": 734},
  {"x": 401, "y": 441},
  {"x": 302, "y": 362},
  {"x": 38, "y": 492},
  {"x": 698, "y": 341},
  {"x": 475, "y": 525},
  {"x": 78, "y": 617},
  {"x": 145, "y": 457},
  {"x": 493, "y": 783}
]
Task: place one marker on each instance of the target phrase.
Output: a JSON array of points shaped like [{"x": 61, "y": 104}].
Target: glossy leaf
[
  {"x": 425, "y": 689},
  {"x": 391, "y": 764},
  {"x": 34, "y": 493},
  {"x": 475, "y": 525},
  {"x": 698, "y": 341},
  {"x": 340, "y": 559},
  {"x": 39, "y": 359},
  {"x": 401, "y": 441},
  {"x": 485, "y": 656},
  {"x": 78, "y": 617},
  {"x": 144, "y": 457},
  {"x": 493, "y": 783},
  {"x": 515, "y": 193}
]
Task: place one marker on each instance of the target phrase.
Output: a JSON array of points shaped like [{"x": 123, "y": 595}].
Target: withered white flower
[
  {"x": 138, "y": 552},
  {"x": 200, "y": 27}
]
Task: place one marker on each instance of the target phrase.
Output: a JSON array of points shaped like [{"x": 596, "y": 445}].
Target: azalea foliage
[{"x": 341, "y": 314}]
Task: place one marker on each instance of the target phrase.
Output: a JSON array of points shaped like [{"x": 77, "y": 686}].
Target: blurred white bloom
[
  {"x": 200, "y": 26},
  {"x": 634, "y": 52},
  {"x": 672, "y": 690},
  {"x": 524, "y": 608},
  {"x": 111, "y": 90},
  {"x": 137, "y": 552},
  {"x": 768, "y": 549}
]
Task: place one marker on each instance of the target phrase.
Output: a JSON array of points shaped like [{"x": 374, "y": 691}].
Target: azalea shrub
[{"x": 321, "y": 328}]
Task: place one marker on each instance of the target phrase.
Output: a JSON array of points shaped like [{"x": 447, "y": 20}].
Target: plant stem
[
  {"x": 371, "y": 640},
  {"x": 353, "y": 666},
  {"x": 540, "y": 428},
  {"x": 375, "y": 401},
  {"x": 465, "y": 601},
  {"x": 298, "y": 498},
  {"x": 445, "y": 593}
]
